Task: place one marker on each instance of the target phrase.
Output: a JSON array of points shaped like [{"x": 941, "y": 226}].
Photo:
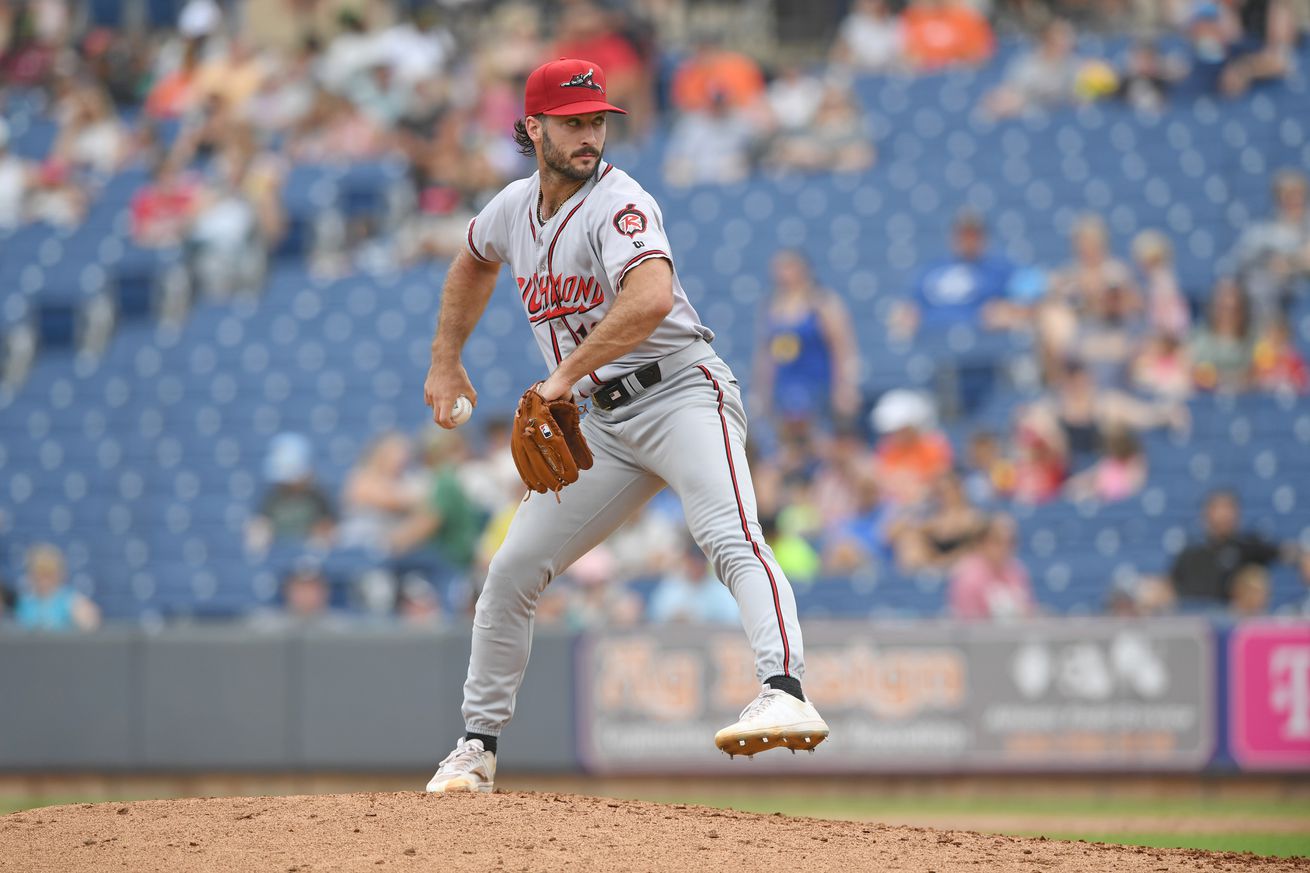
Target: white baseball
[{"x": 461, "y": 410}]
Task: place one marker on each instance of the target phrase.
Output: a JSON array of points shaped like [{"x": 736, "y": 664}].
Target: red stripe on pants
[{"x": 745, "y": 529}]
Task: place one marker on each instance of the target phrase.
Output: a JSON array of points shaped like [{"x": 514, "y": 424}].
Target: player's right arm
[{"x": 464, "y": 296}]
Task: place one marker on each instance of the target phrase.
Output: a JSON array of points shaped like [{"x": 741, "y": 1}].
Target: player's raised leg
[
  {"x": 543, "y": 540},
  {"x": 696, "y": 443}
]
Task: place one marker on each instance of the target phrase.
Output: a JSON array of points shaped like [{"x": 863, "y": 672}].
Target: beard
[{"x": 559, "y": 162}]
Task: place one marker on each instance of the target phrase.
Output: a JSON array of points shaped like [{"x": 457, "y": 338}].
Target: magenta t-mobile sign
[{"x": 1269, "y": 695}]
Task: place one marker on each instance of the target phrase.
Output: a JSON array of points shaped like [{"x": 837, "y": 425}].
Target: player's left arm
[{"x": 645, "y": 300}]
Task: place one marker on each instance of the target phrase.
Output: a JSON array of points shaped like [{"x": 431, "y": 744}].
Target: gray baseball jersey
[
  {"x": 570, "y": 269},
  {"x": 687, "y": 431}
]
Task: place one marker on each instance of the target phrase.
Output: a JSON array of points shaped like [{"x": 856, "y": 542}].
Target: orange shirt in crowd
[
  {"x": 908, "y": 468},
  {"x": 735, "y": 76},
  {"x": 953, "y": 33}
]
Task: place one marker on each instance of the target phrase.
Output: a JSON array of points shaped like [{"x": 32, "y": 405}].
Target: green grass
[
  {"x": 1285, "y": 845},
  {"x": 1034, "y": 809}
]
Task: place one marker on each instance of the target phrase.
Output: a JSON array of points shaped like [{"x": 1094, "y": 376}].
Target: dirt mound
[{"x": 526, "y": 832}]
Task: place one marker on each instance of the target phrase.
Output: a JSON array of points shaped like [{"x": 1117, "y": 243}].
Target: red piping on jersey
[
  {"x": 532, "y": 224},
  {"x": 477, "y": 254},
  {"x": 554, "y": 344},
  {"x": 632, "y": 263},
  {"x": 550, "y": 252},
  {"x": 741, "y": 512}
]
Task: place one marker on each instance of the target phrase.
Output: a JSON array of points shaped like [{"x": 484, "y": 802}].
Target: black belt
[{"x": 622, "y": 390}]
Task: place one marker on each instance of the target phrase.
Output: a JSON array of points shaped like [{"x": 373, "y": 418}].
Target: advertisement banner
[
  {"x": 1061, "y": 695},
  {"x": 1269, "y": 695}
]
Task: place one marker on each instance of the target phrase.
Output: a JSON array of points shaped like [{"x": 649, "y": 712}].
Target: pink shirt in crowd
[{"x": 982, "y": 591}]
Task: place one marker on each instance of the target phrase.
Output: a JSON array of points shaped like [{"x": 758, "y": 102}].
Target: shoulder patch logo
[{"x": 630, "y": 220}]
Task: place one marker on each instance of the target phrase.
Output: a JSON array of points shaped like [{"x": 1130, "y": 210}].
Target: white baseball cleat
[
  {"x": 774, "y": 720},
  {"x": 469, "y": 768}
]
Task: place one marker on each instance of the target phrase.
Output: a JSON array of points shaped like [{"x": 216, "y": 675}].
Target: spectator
[
  {"x": 177, "y": 92},
  {"x": 1302, "y": 608},
  {"x": 1269, "y": 36},
  {"x": 989, "y": 475},
  {"x": 1272, "y": 257},
  {"x": 1042, "y": 458},
  {"x": 793, "y": 99},
  {"x": 911, "y": 453},
  {"x": 1108, "y": 335},
  {"x": 47, "y": 601},
  {"x": 691, "y": 594},
  {"x": 16, "y": 178},
  {"x": 990, "y": 582},
  {"x": 1205, "y": 570},
  {"x": 1221, "y": 348},
  {"x": 91, "y": 136},
  {"x": 1134, "y": 596},
  {"x": 294, "y": 508},
  {"x": 1149, "y": 77},
  {"x": 1118, "y": 474},
  {"x": 1083, "y": 412},
  {"x": 444, "y": 519},
  {"x": 844, "y": 461},
  {"x": 864, "y": 538},
  {"x": 712, "y": 146},
  {"x": 870, "y": 39},
  {"x": 968, "y": 287},
  {"x": 585, "y": 31},
  {"x": 238, "y": 216},
  {"x": 945, "y": 532},
  {"x": 1166, "y": 307},
  {"x": 714, "y": 78},
  {"x": 163, "y": 210},
  {"x": 1042, "y": 78},
  {"x": 837, "y": 139},
  {"x": 808, "y": 364},
  {"x": 305, "y": 603},
  {"x": 1077, "y": 287},
  {"x": 1250, "y": 598},
  {"x": 1163, "y": 369},
  {"x": 1276, "y": 363},
  {"x": 592, "y": 600},
  {"x": 784, "y": 534},
  {"x": 378, "y": 496},
  {"x": 945, "y": 33},
  {"x": 489, "y": 478},
  {"x": 419, "y": 604}
]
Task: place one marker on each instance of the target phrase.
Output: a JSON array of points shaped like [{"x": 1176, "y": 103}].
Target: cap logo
[{"x": 583, "y": 80}]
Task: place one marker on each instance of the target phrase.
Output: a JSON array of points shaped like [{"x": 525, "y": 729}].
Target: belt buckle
[{"x": 611, "y": 395}]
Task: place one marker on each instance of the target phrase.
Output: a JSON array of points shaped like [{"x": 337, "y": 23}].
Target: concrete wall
[{"x": 232, "y": 699}]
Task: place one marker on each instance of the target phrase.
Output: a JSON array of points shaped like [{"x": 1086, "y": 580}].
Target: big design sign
[
  {"x": 1057, "y": 695},
  {"x": 1269, "y": 695}
]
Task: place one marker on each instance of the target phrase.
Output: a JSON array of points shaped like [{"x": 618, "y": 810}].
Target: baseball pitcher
[{"x": 596, "y": 277}]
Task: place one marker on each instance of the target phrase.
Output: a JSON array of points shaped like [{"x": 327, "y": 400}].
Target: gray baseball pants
[{"x": 689, "y": 431}]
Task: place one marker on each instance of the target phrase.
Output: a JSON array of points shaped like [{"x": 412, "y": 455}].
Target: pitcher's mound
[{"x": 526, "y": 832}]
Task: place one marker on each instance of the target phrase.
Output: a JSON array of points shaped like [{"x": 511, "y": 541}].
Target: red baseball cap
[{"x": 569, "y": 86}]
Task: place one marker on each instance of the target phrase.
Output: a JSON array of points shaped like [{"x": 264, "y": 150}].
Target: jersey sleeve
[
  {"x": 631, "y": 232},
  {"x": 487, "y": 238}
]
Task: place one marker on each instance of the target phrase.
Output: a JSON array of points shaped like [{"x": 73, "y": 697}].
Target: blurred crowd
[{"x": 216, "y": 111}]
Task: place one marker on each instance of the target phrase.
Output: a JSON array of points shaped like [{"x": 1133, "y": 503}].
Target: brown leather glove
[{"x": 547, "y": 443}]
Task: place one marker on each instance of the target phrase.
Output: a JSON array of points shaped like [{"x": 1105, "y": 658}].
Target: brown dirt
[{"x": 528, "y": 832}]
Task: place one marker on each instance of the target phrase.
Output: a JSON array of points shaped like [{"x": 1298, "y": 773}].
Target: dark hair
[{"x": 527, "y": 147}]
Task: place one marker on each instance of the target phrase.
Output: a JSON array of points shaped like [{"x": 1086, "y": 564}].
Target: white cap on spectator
[
  {"x": 288, "y": 459},
  {"x": 902, "y": 408},
  {"x": 199, "y": 18}
]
